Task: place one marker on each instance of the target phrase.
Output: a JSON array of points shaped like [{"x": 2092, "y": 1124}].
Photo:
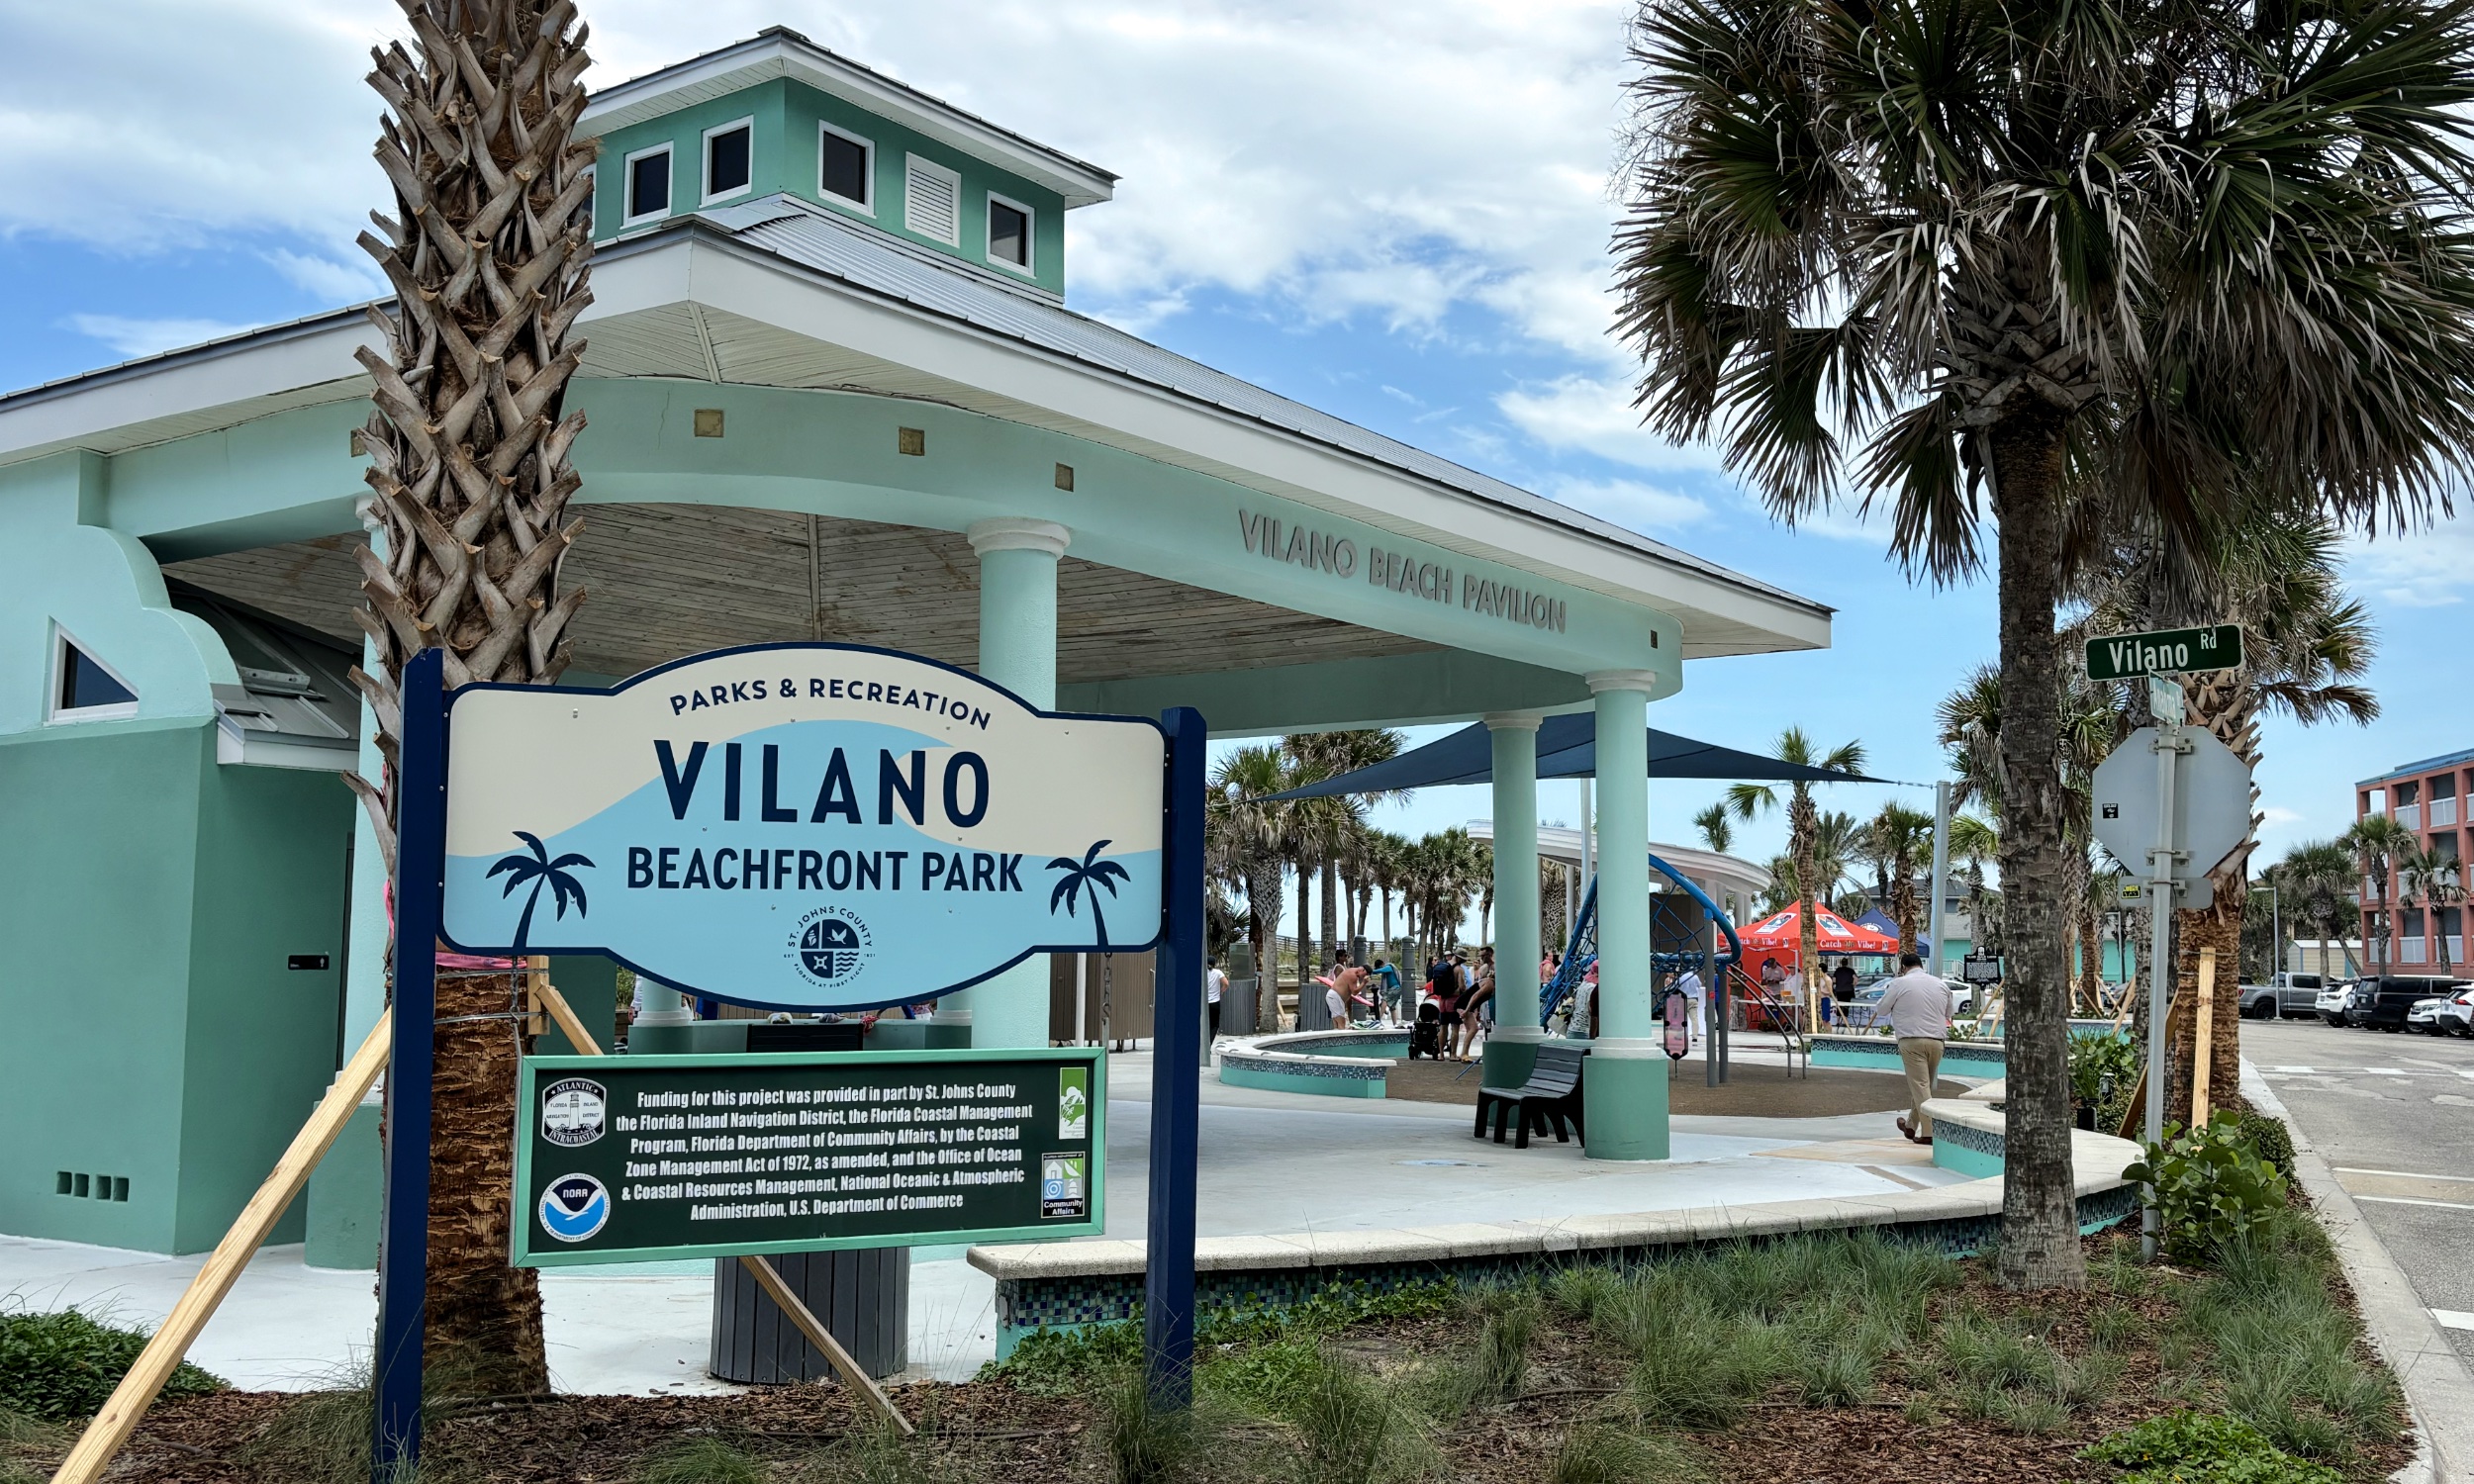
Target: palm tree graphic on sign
[
  {"x": 538, "y": 869},
  {"x": 1088, "y": 873}
]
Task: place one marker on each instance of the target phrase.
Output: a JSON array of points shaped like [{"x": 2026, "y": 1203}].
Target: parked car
[
  {"x": 1858, "y": 1012},
  {"x": 2424, "y": 1015},
  {"x": 2284, "y": 994},
  {"x": 2386, "y": 1001},
  {"x": 2330, "y": 1003},
  {"x": 2456, "y": 1013}
]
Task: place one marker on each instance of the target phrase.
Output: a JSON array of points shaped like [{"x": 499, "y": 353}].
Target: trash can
[{"x": 862, "y": 1298}]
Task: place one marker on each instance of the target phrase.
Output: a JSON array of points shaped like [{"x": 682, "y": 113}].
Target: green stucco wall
[
  {"x": 150, "y": 898},
  {"x": 782, "y": 159}
]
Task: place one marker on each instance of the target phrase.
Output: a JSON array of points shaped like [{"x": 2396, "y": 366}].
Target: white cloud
[
  {"x": 1595, "y": 414},
  {"x": 1647, "y": 508},
  {"x": 136, "y": 338},
  {"x": 2424, "y": 570},
  {"x": 352, "y": 277},
  {"x": 1348, "y": 158}
]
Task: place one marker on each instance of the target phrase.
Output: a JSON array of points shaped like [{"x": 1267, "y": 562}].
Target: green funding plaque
[{"x": 631, "y": 1159}]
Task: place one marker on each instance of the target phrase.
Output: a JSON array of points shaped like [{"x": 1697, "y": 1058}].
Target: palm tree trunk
[
  {"x": 1331, "y": 910},
  {"x": 2091, "y": 957},
  {"x": 468, "y": 447},
  {"x": 1305, "y": 938},
  {"x": 484, "y": 1318},
  {"x": 1808, "y": 932},
  {"x": 2218, "y": 926},
  {"x": 2039, "y": 1246}
]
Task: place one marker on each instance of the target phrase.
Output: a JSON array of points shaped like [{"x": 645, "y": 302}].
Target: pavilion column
[
  {"x": 1512, "y": 1047},
  {"x": 1018, "y": 559},
  {"x": 1623, "y": 1089}
]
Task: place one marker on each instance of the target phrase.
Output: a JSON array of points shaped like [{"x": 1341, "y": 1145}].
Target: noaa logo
[
  {"x": 830, "y": 946},
  {"x": 574, "y": 1207},
  {"x": 573, "y": 1112}
]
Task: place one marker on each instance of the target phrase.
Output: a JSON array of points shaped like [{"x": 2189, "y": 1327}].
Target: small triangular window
[{"x": 85, "y": 684}]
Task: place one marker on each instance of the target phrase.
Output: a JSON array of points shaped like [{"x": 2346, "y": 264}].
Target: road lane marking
[
  {"x": 2447, "y": 1205},
  {"x": 2406, "y": 1174},
  {"x": 2454, "y": 1318},
  {"x": 2386, "y": 1072},
  {"x": 2303, "y": 1069}
]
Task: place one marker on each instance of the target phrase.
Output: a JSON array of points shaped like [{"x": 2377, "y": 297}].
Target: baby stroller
[{"x": 1426, "y": 1037}]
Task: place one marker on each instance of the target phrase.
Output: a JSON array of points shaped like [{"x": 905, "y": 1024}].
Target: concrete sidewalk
[{"x": 1271, "y": 1163}]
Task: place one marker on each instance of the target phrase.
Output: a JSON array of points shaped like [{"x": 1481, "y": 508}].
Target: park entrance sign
[
  {"x": 637, "y": 1159},
  {"x": 802, "y": 826}
]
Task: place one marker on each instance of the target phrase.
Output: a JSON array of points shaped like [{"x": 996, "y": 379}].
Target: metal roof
[
  {"x": 816, "y": 239},
  {"x": 2444, "y": 760}
]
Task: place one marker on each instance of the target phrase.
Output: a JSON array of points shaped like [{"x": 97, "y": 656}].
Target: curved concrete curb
[
  {"x": 2439, "y": 1391},
  {"x": 1314, "y": 1062}
]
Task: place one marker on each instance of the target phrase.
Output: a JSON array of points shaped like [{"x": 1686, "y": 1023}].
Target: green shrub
[
  {"x": 2268, "y": 1138},
  {"x": 2194, "y": 1447},
  {"x": 1143, "y": 1443},
  {"x": 2211, "y": 1187},
  {"x": 63, "y": 1365},
  {"x": 2104, "y": 1074},
  {"x": 1595, "y": 1453}
]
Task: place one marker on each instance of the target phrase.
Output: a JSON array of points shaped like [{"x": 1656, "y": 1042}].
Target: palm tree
[
  {"x": 468, "y": 447},
  {"x": 1090, "y": 874},
  {"x": 2319, "y": 883},
  {"x": 2307, "y": 645},
  {"x": 1900, "y": 840},
  {"x": 1716, "y": 832},
  {"x": 1985, "y": 256},
  {"x": 1748, "y": 800},
  {"x": 2430, "y": 877},
  {"x": 2379, "y": 842},
  {"x": 1245, "y": 840},
  {"x": 538, "y": 869}
]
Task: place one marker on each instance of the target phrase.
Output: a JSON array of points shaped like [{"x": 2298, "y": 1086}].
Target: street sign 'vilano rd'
[{"x": 2170, "y": 651}]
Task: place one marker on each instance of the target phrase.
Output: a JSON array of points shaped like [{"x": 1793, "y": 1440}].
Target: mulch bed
[{"x": 994, "y": 1433}]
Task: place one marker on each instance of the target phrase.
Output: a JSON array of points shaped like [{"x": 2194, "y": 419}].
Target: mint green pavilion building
[{"x": 834, "y": 393}]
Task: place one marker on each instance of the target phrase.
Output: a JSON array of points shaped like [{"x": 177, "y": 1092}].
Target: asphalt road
[{"x": 2393, "y": 1117}]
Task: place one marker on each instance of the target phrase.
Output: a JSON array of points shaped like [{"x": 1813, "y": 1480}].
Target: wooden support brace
[
  {"x": 2203, "y": 1050},
  {"x": 765, "y": 1274},
  {"x": 110, "y": 1429}
]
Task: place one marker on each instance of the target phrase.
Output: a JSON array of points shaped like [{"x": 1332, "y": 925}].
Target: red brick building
[{"x": 2426, "y": 798}]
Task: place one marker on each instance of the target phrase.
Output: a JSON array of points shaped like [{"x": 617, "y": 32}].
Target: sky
[{"x": 1398, "y": 211}]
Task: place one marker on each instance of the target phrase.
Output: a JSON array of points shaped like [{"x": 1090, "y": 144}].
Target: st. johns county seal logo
[
  {"x": 831, "y": 946},
  {"x": 574, "y": 1207}
]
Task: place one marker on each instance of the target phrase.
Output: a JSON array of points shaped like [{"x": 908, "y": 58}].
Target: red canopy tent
[{"x": 1780, "y": 935}]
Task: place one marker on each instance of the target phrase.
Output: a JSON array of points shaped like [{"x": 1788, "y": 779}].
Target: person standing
[
  {"x": 1478, "y": 1012},
  {"x": 1842, "y": 982},
  {"x": 1387, "y": 979},
  {"x": 1696, "y": 997},
  {"x": 1917, "y": 1009},
  {"x": 1213, "y": 983}
]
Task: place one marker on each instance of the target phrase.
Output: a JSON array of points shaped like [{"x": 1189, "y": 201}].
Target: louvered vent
[{"x": 932, "y": 201}]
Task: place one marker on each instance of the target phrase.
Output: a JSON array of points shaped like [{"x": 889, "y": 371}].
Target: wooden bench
[{"x": 1548, "y": 1100}]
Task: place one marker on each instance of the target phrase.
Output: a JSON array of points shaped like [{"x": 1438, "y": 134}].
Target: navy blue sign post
[
  {"x": 1071, "y": 759},
  {"x": 403, "y": 1229},
  {"x": 1176, "y": 1078}
]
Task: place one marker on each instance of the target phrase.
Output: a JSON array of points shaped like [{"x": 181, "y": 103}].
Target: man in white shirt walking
[
  {"x": 1213, "y": 983},
  {"x": 1917, "y": 1009},
  {"x": 1695, "y": 998}
]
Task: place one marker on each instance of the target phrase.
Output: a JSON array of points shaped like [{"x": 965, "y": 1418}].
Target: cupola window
[
  {"x": 648, "y": 184},
  {"x": 846, "y": 168},
  {"x": 1009, "y": 233},
  {"x": 727, "y": 170}
]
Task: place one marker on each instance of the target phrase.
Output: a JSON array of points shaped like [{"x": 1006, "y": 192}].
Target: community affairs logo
[
  {"x": 831, "y": 946},
  {"x": 574, "y": 1112},
  {"x": 1065, "y": 1187},
  {"x": 574, "y": 1207}
]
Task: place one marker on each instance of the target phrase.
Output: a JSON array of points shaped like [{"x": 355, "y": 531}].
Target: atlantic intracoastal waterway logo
[
  {"x": 831, "y": 946},
  {"x": 574, "y": 1112},
  {"x": 574, "y": 1207}
]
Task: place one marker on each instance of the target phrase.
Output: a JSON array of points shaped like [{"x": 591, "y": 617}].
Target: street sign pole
[
  {"x": 2165, "y": 701},
  {"x": 1940, "y": 877}
]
